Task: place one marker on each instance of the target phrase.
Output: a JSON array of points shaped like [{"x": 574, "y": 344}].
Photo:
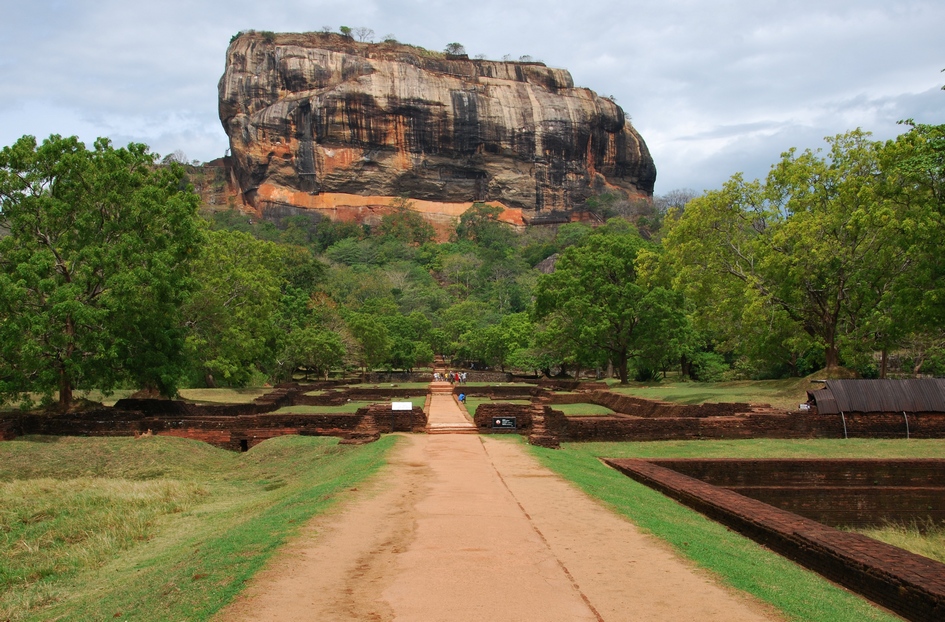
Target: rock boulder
[{"x": 320, "y": 121}]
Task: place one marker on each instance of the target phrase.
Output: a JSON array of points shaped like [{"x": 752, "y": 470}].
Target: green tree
[
  {"x": 480, "y": 224},
  {"x": 95, "y": 267},
  {"x": 818, "y": 242},
  {"x": 595, "y": 303},
  {"x": 233, "y": 317},
  {"x": 314, "y": 349},
  {"x": 372, "y": 337},
  {"x": 405, "y": 226},
  {"x": 494, "y": 345},
  {"x": 915, "y": 183},
  {"x": 409, "y": 340}
]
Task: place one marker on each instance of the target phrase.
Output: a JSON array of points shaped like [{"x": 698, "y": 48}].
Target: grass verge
[
  {"x": 223, "y": 396},
  {"x": 738, "y": 561},
  {"x": 472, "y": 403},
  {"x": 787, "y": 393},
  {"x": 347, "y": 407},
  {"x": 156, "y": 528},
  {"x": 926, "y": 540},
  {"x": 583, "y": 410}
]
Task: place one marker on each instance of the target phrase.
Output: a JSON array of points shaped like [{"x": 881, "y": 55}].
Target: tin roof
[{"x": 921, "y": 395}]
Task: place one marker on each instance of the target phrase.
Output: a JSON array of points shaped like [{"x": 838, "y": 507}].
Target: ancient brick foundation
[
  {"x": 485, "y": 413},
  {"x": 231, "y": 426},
  {"x": 839, "y": 493},
  {"x": 911, "y": 585},
  {"x": 771, "y": 424}
]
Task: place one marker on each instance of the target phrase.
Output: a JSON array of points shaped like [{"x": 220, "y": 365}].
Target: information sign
[{"x": 503, "y": 423}]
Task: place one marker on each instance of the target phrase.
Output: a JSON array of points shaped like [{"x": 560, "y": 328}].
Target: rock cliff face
[{"x": 320, "y": 121}]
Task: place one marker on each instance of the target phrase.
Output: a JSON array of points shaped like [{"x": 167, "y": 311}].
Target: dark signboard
[{"x": 503, "y": 423}]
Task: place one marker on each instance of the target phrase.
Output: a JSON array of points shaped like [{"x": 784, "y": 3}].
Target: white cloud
[{"x": 713, "y": 88}]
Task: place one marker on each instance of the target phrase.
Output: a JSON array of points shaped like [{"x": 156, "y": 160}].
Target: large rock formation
[{"x": 320, "y": 121}]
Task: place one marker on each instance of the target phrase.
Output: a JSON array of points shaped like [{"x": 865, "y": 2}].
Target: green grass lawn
[
  {"x": 224, "y": 396},
  {"x": 738, "y": 561},
  {"x": 785, "y": 394},
  {"x": 498, "y": 384},
  {"x": 155, "y": 528},
  {"x": 347, "y": 407},
  {"x": 472, "y": 403},
  {"x": 397, "y": 385},
  {"x": 583, "y": 410},
  {"x": 929, "y": 541}
]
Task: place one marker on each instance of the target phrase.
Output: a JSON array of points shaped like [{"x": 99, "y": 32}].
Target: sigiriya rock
[{"x": 320, "y": 121}]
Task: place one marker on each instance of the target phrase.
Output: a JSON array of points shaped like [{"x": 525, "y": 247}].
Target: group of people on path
[{"x": 452, "y": 377}]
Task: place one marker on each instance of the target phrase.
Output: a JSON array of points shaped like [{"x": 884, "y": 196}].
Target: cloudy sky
[{"x": 715, "y": 88}]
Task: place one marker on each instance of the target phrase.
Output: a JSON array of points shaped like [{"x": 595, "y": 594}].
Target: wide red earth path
[{"x": 462, "y": 527}]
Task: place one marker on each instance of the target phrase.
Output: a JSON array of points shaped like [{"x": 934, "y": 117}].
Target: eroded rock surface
[{"x": 321, "y": 121}]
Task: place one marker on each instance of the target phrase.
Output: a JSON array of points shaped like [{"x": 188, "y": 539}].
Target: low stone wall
[
  {"x": 387, "y": 420},
  {"x": 485, "y": 413},
  {"x": 426, "y": 376},
  {"x": 357, "y": 394},
  {"x": 389, "y": 377},
  {"x": 7, "y": 431},
  {"x": 839, "y": 492},
  {"x": 638, "y": 407},
  {"x": 749, "y": 425},
  {"x": 487, "y": 376},
  {"x": 910, "y": 585},
  {"x": 625, "y": 428},
  {"x": 231, "y": 426},
  {"x": 499, "y": 392}
]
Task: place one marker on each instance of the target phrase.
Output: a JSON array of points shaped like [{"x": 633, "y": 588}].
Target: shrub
[{"x": 709, "y": 367}]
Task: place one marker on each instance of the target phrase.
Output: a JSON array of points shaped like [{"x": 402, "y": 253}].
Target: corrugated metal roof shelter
[{"x": 923, "y": 395}]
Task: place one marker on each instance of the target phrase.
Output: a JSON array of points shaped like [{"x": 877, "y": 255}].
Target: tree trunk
[
  {"x": 883, "y": 363},
  {"x": 832, "y": 356},
  {"x": 65, "y": 381},
  {"x": 65, "y": 390},
  {"x": 621, "y": 366}
]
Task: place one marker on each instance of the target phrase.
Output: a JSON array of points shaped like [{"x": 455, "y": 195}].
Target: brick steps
[
  {"x": 451, "y": 428},
  {"x": 365, "y": 432},
  {"x": 540, "y": 434}
]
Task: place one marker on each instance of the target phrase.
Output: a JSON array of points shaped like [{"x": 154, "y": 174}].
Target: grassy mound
[{"x": 155, "y": 528}]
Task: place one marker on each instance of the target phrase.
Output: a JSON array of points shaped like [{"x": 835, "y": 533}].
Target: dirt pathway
[{"x": 462, "y": 527}]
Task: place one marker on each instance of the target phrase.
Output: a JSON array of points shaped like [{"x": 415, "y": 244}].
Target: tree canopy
[
  {"x": 95, "y": 269},
  {"x": 597, "y": 306},
  {"x": 108, "y": 279}
]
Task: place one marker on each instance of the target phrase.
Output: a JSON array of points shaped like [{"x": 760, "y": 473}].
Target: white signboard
[{"x": 401, "y": 405}]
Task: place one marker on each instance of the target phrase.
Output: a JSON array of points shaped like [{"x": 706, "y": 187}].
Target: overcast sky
[{"x": 715, "y": 88}]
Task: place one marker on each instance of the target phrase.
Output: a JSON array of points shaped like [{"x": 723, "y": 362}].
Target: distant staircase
[
  {"x": 540, "y": 435},
  {"x": 455, "y": 422}
]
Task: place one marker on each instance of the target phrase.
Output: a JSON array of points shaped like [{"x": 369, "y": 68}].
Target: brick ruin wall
[
  {"x": 426, "y": 376},
  {"x": 910, "y": 585},
  {"x": 638, "y": 419},
  {"x": 485, "y": 413},
  {"x": 835, "y": 492},
  {"x": 230, "y": 426}
]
